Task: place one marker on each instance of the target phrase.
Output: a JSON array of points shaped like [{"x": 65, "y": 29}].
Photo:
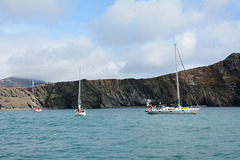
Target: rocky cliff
[{"x": 214, "y": 85}]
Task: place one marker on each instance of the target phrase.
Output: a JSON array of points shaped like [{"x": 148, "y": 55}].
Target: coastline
[
  {"x": 15, "y": 109},
  {"x": 23, "y": 109}
]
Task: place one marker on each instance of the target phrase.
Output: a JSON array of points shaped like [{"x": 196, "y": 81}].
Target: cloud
[
  {"x": 187, "y": 41},
  {"x": 130, "y": 21},
  {"x": 47, "y": 11},
  {"x": 218, "y": 40},
  {"x": 147, "y": 60},
  {"x": 59, "y": 60}
]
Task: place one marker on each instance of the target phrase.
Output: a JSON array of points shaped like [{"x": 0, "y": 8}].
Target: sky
[{"x": 113, "y": 39}]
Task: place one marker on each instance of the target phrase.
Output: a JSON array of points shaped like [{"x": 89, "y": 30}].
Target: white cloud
[
  {"x": 100, "y": 64},
  {"x": 48, "y": 11},
  {"x": 214, "y": 8},
  {"x": 187, "y": 42},
  {"x": 155, "y": 54},
  {"x": 150, "y": 59},
  {"x": 225, "y": 32},
  {"x": 130, "y": 21},
  {"x": 217, "y": 41},
  {"x": 59, "y": 60}
]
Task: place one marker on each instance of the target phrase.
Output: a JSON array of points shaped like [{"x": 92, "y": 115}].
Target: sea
[{"x": 123, "y": 133}]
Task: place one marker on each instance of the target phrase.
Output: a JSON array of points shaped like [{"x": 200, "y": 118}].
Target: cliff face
[
  {"x": 218, "y": 84},
  {"x": 214, "y": 85}
]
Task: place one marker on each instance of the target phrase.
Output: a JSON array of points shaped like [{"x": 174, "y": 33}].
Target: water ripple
[{"x": 120, "y": 134}]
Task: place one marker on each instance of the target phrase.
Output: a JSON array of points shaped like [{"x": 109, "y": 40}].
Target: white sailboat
[
  {"x": 35, "y": 108},
  {"x": 79, "y": 111},
  {"x": 163, "y": 109}
]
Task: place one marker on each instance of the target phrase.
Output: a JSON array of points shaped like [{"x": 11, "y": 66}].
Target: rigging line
[{"x": 187, "y": 78}]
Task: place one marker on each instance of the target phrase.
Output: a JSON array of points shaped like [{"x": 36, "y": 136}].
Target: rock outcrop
[{"x": 214, "y": 85}]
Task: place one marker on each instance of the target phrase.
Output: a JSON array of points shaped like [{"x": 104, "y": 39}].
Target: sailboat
[
  {"x": 163, "y": 108},
  {"x": 35, "y": 108},
  {"x": 79, "y": 111}
]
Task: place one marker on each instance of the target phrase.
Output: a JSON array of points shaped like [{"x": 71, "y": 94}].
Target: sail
[
  {"x": 178, "y": 94},
  {"x": 33, "y": 96},
  {"x": 193, "y": 94},
  {"x": 79, "y": 92},
  {"x": 79, "y": 111}
]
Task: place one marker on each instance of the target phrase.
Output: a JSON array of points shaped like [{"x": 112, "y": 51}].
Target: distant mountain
[{"x": 14, "y": 82}]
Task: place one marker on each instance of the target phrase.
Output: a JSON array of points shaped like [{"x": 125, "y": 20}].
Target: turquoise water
[{"x": 214, "y": 133}]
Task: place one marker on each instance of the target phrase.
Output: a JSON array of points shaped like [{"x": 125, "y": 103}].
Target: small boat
[
  {"x": 166, "y": 108},
  {"x": 35, "y": 108},
  {"x": 79, "y": 111}
]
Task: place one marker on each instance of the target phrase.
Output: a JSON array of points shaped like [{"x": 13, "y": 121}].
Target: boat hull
[
  {"x": 177, "y": 111},
  {"x": 81, "y": 113},
  {"x": 37, "y": 110}
]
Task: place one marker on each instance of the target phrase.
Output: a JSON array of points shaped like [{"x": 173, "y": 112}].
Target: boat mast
[
  {"x": 33, "y": 94},
  {"x": 178, "y": 94},
  {"x": 79, "y": 91}
]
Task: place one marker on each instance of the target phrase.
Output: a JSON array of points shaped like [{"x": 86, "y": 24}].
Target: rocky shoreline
[
  {"x": 214, "y": 85},
  {"x": 15, "y": 109}
]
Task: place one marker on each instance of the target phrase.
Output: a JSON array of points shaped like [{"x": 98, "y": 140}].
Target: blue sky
[{"x": 50, "y": 39}]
